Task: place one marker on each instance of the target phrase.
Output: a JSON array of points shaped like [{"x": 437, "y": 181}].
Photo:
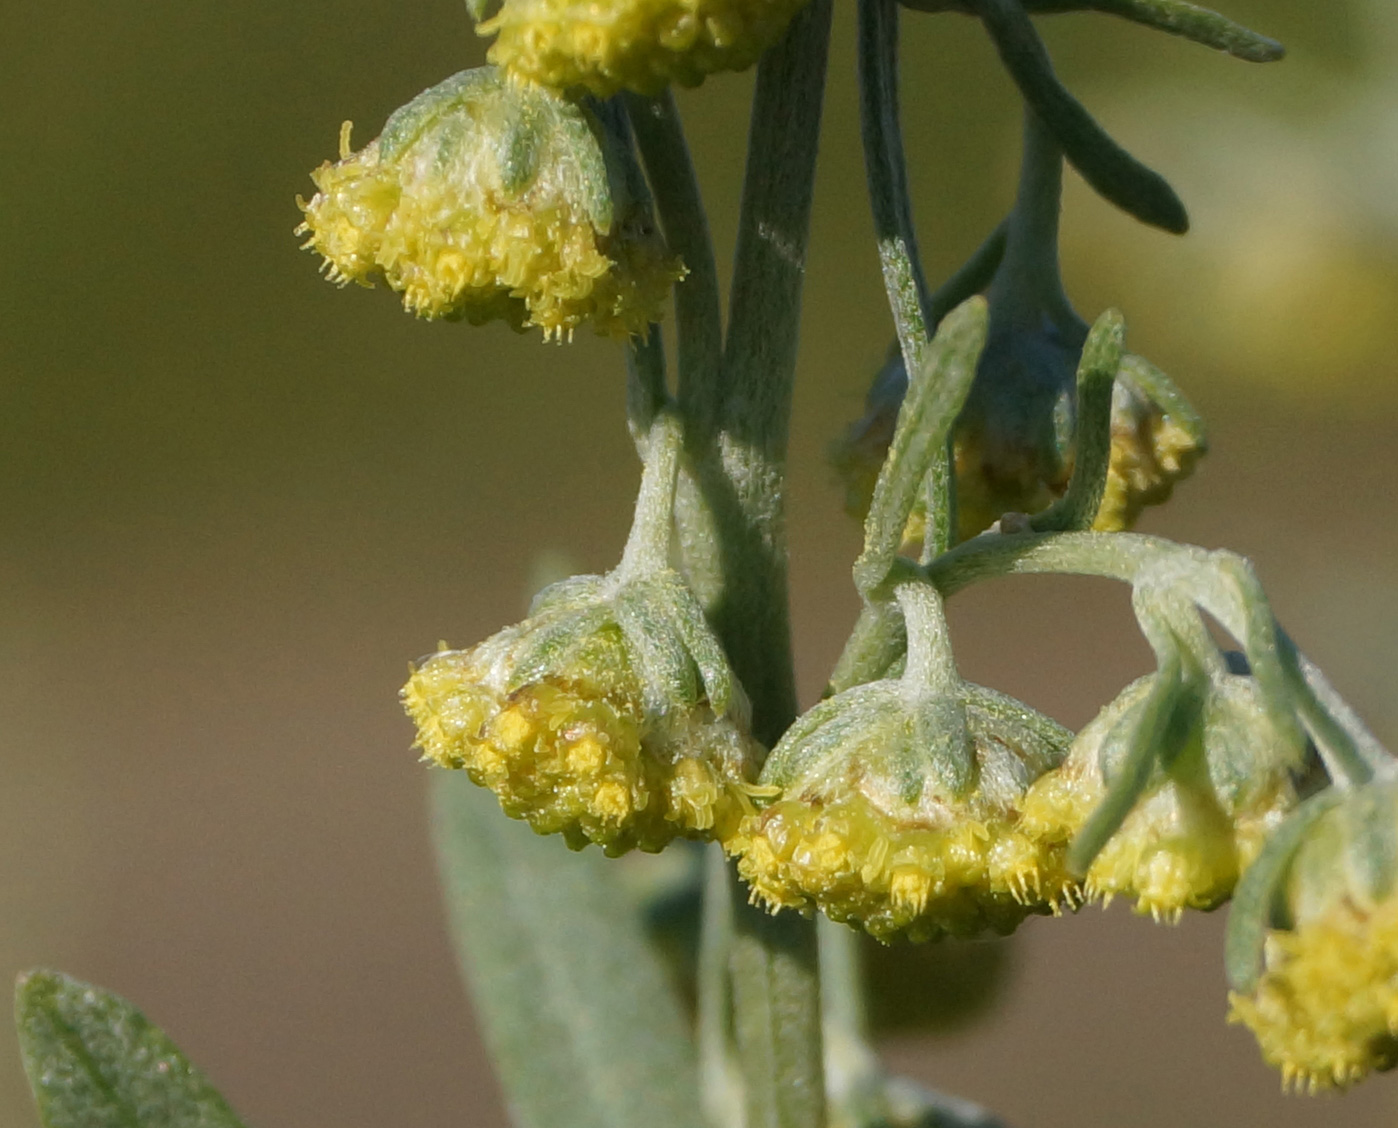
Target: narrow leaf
[
  {"x": 1101, "y": 357},
  {"x": 1141, "y": 730},
  {"x": 1176, "y": 17},
  {"x": 1113, "y": 172},
  {"x": 94, "y": 1061},
  {"x": 933, "y": 401},
  {"x": 574, "y": 1004}
]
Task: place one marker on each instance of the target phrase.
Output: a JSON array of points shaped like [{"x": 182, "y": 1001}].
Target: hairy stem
[
  {"x": 698, "y": 316},
  {"x": 739, "y": 426},
  {"x": 886, "y": 170}
]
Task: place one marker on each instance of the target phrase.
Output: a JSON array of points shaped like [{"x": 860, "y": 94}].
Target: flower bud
[
  {"x": 489, "y": 198},
  {"x": 1156, "y": 440},
  {"x": 903, "y": 816},
  {"x": 1325, "y": 1005},
  {"x": 1222, "y": 783},
  {"x": 608, "y": 716},
  {"x": 640, "y": 45}
]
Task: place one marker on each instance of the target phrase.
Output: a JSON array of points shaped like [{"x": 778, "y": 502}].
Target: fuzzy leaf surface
[
  {"x": 94, "y": 1061},
  {"x": 577, "y": 1010}
]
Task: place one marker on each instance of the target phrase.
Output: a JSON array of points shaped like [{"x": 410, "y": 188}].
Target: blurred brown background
[{"x": 236, "y": 502}]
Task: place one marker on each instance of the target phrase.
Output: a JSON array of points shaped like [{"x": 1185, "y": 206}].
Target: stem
[
  {"x": 740, "y": 427},
  {"x": 1221, "y": 583},
  {"x": 887, "y": 173},
  {"x": 930, "y": 663},
  {"x": 1028, "y": 281},
  {"x": 646, "y": 394},
  {"x": 648, "y": 545},
  {"x": 660, "y": 138}
]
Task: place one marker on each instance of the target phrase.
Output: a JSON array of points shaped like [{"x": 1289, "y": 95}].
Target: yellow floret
[
  {"x": 1326, "y": 1009},
  {"x": 580, "y": 757},
  {"x": 487, "y": 199},
  {"x": 1150, "y": 453},
  {"x": 899, "y": 872},
  {"x": 641, "y": 45},
  {"x": 1178, "y": 849}
]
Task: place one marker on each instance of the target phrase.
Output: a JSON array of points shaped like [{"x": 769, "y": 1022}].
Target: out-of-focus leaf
[
  {"x": 575, "y": 1005},
  {"x": 939, "y": 988},
  {"x": 94, "y": 1061}
]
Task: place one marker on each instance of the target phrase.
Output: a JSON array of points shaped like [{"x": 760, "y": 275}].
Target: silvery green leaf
[
  {"x": 577, "y": 1010},
  {"x": 94, "y": 1061},
  {"x": 1096, "y": 378}
]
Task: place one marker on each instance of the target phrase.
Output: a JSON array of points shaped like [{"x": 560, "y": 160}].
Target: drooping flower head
[
  {"x": 899, "y": 809},
  {"x": 611, "y": 714},
  {"x": 1226, "y": 783},
  {"x": 641, "y": 45},
  {"x": 1321, "y": 994},
  {"x": 606, "y": 716},
  {"x": 487, "y": 197}
]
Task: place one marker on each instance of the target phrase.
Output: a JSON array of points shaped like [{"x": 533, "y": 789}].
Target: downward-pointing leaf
[
  {"x": 575, "y": 1006},
  {"x": 94, "y": 1061}
]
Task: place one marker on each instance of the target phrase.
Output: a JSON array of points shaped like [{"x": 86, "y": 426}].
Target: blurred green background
[{"x": 236, "y": 502}]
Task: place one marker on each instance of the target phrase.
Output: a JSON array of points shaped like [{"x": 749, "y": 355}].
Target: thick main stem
[{"x": 738, "y": 427}]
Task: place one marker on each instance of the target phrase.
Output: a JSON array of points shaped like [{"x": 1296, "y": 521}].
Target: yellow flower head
[
  {"x": 640, "y": 45},
  {"x": 489, "y": 198},
  {"x": 593, "y": 720},
  {"x": 1325, "y": 1008},
  {"x": 1157, "y": 439},
  {"x": 899, "y": 811},
  {"x": 1201, "y": 820}
]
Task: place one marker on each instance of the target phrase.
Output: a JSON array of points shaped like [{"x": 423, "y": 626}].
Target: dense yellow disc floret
[
  {"x": 641, "y": 45},
  {"x": 1191, "y": 835},
  {"x": 902, "y": 815},
  {"x": 920, "y": 870},
  {"x": 1326, "y": 1010},
  {"x": 1151, "y": 451},
  {"x": 489, "y": 198},
  {"x": 576, "y": 751},
  {"x": 1325, "y": 1007}
]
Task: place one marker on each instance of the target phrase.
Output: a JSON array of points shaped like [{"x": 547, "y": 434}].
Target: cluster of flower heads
[
  {"x": 594, "y": 719},
  {"x": 490, "y": 198}
]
